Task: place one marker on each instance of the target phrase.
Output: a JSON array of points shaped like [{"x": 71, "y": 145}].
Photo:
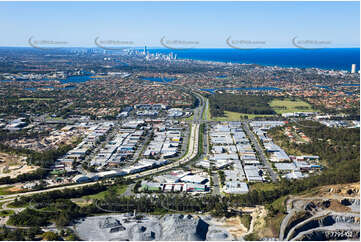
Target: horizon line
[{"x": 162, "y": 47}]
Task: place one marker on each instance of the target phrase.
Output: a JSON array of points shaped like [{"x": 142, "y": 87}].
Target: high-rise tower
[{"x": 353, "y": 68}]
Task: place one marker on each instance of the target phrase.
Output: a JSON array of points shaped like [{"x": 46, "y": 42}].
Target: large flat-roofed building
[
  {"x": 279, "y": 156},
  {"x": 194, "y": 179},
  {"x": 178, "y": 187},
  {"x": 295, "y": 175},
  {"x": 235, "y": 187},
  {"x": 81, "y": 178},
  {"x": 234, "y": 175},
  {"x": 251, "y": 162},
  {"x": 204, "y": 164},
  {"x": 167, "y": 179},
  {"x": 243, "y": 148},
  {"x": 219, "y": 149},
  {"x": 266, "y": 124},
  {"x": 285, "y": 166},
  {"x": 108, "y": 174},
  {"x": 196, "y": 188},
  {"x": 224, "y": 156},
  {"x": 271, "y": 147},
  {"x": 168, "y": 188},
  {"x": 252, "y": 174},
  {"x": 219, "y": 164}
]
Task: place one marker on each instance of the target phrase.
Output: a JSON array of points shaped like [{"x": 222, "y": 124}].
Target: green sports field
[
  {"x": 234, "y": 116},
  {"x": 289, "y": 106},
  {"x": 35, "y": 99}
]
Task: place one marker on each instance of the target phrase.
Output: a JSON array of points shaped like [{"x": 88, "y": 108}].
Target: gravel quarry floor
[{"x": 171, "y": 227}]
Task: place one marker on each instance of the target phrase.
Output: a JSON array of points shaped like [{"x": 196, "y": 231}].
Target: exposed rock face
[
  {"x": 202, "y": 229},
  {"x": 334, "y": 222},
  {"x": 322, "y": 235},
  {"x": 332, "y": 214}
]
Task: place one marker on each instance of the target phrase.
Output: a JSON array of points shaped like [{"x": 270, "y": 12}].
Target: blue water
[
  {"x": 31, "y": 88},
  {"x": 158, "y": 79},
  {"x": 329, "y": 59},
  {"x": 76, "y": 79},
  {"x": 70, "y": 79},
  {"x": 326, "y": 87},
  {"x": 212, "y": 90},
  {"x": 351, "y": 85}
]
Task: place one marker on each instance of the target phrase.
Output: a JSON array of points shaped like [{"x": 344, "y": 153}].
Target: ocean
[{"x": 328, "y": 59}]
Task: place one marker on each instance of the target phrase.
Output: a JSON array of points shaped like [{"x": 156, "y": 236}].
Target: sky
[{"x": 180, "y": 24}]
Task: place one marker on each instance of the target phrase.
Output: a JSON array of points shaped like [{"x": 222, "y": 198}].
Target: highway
[
  {"x": 13, "y": 196},
  {"x": 259, "y": 150},
  {"x": 191, "y": 153},
  {"x": 216, "y": 189}
]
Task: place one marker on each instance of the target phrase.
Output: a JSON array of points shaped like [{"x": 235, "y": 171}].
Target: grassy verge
[
  {"x": 278, "y": 105},
  {"x": 12, "y": 205},
  {"x": 263, "y": 187},
  {"x": 120, "y": 189},
  {"x": 4, "y": 213},
  {"x": 208, "y": 112},
  {"x": 234, "y": 116},
  {"x": 1, "y": 204},
  {"x": 290, "y": 106},
  {"x": 190, "y": 118},
  {"x": 35, "y": 99},
  {"x": 7, "y": 191}
]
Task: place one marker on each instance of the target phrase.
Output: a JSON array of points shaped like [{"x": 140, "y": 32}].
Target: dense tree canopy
[{"x": 249, "y": 104}]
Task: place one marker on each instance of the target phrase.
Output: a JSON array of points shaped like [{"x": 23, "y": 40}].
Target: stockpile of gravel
[
  {"x": 218, "y": 235},
  {"x": 145, "y": 231},
  {"x": 183, "y": 227},
  {"x": 355, "y": 205},
  {"x": 92, "y": 228},
  {"x": 171, "y": 227}
]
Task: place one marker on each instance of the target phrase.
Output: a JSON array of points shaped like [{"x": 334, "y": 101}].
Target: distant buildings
[
  {"x": 16, "y": 124},
  {"x": 353, "y": 68},
  {"x": 175, "y": 112}
]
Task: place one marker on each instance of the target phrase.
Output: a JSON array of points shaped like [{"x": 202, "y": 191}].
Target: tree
[
  {"x": 51, "y": 236},
  {"x": 62, "y": 220},
  {"x": 33, "y": 231}
]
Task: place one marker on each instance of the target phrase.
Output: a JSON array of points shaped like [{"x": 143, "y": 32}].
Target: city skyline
[{"x": 179, "y": 121}]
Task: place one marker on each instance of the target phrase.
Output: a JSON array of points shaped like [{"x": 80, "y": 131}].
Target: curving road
[{"x": 191, "y": 153}]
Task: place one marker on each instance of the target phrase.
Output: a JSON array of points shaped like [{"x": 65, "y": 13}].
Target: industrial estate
[{"x": 139, "y": 144}]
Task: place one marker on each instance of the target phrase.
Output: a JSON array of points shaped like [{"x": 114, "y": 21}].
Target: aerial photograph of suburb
[{"x": 179, "y": 120}]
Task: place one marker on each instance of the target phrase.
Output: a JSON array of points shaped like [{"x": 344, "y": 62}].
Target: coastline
[{"x": 307, "y": 58}]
